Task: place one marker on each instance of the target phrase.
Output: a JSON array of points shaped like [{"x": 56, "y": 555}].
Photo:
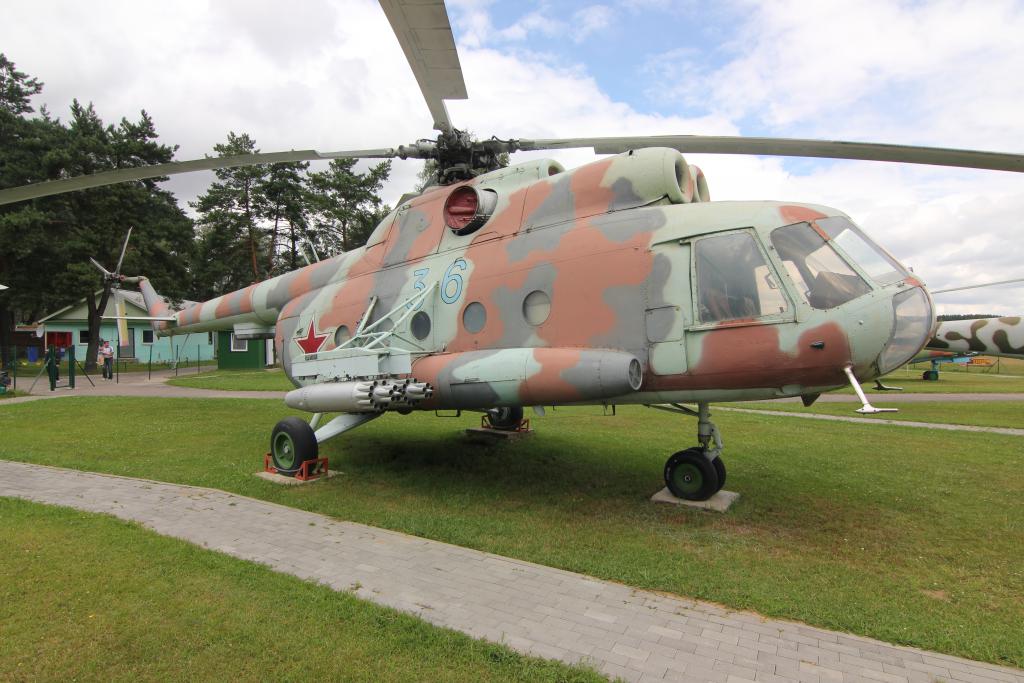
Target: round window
[
  {"x": 474, "y": 317},
  {"x": 536, "y": 307},
  {"x": 341, "y": 335},
  {"x": 420, "y": 325}
]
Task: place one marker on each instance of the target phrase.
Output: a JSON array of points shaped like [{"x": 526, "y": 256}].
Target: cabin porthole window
[
  {"x": 420, "y": 325},
  {"x": 536, "y": 307},
  {"x": 341, "y": 335},
  {"x": 474, "y": 317}
]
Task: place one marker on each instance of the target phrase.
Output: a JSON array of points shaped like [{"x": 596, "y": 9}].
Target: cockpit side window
[
  {"x": 734, "y": 282},
  {"x": 823, "y": 278},
  {"x": 872, "y": 259}
]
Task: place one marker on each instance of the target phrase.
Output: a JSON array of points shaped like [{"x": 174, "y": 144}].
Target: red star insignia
[{"x": 312, "y": 341}]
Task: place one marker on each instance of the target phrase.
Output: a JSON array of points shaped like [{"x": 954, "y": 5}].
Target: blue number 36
[{"x": 453, "y": 281}]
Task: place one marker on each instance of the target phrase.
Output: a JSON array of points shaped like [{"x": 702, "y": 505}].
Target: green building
[{"x": 235, "y": 354}]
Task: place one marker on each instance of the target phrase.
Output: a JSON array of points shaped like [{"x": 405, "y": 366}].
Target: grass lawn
[
  {"x": 909, "y": 536},
  {"x": 910, "y": 379},
  {"x": 87, "y": 596},
  {"x": 30, "y": 370},
  {"x": 11, "y": 394},
  {"x": 980, "y": 413},
  {"x": 237, "y": 380},
  {"x": 956, "y": 382}
]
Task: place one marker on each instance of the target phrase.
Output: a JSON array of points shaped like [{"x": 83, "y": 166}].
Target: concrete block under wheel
[
  {"x": 292, "y": 481},
  {"x": 720, "y": 502},
  {"x": 484, "y": 434}
]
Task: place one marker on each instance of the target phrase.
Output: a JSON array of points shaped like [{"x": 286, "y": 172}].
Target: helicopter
[{"x": 531, "y": 285}]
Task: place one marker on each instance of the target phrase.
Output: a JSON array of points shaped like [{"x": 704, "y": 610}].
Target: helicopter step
[{"x": 697, "y": 473}]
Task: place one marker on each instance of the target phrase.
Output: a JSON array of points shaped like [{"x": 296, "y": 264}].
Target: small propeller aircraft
[{"x": 618, "y": 282}]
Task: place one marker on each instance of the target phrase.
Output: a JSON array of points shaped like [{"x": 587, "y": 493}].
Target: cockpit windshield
[
  {"x": 879, "y": 266},
  {"x": 823, "y": 278}
]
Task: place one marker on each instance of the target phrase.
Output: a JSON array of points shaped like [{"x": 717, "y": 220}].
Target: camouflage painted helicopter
[{"x": 617, "y": 282}]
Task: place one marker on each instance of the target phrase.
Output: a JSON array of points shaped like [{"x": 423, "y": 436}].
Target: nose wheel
[
  {"x": 696, "y": 473},
  {"x": 690, "y": 475}
]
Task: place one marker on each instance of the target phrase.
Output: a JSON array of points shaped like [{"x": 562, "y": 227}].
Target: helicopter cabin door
[{"x": 669, "y": 308}]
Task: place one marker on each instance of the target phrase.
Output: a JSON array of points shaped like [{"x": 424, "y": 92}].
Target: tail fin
[{"x": 156, "y": 305}]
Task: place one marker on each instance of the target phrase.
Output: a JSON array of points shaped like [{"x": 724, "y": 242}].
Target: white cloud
[{"x": 932, "y": 73}]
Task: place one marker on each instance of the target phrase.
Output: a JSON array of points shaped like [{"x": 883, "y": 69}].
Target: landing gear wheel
[
  {"x": 930, "y": 375},
  {"x": 691, "y": 476},
  {"x": 720, "y": 470},
  {"x": 506, "y": 418},
  {"x": 292, "y": 443}
]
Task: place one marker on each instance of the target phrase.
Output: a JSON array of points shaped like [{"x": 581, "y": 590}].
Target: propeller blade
[
  {"x": 425, "y": 34},
  {"x": 987, "y": 284},
  {"x": 792, "y": 147},
  {"x": 51, "y": 187},
  {"x": 103, "y": 270},
  {"x": 124, "y": 248}
]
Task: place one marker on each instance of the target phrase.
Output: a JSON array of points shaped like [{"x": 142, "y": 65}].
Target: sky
[{"x": 331, "y": 76}]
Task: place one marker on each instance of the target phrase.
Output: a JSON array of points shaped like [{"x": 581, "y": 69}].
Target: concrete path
[
  {"x": 134, "y": 384},
  {"x": 635, "y": 634},
  {"x": 883, "y": 397},
  {"x": 877, "y": 420}
]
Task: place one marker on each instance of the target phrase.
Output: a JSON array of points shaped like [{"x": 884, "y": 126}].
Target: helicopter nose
[{"x": 913, "y": 319}]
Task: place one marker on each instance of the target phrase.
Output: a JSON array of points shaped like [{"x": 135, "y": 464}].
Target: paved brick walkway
[{"x": 635, "y": 634}]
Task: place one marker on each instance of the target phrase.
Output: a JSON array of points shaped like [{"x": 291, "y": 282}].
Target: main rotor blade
[
  {"x": 425, "y": 34},
  {"x": 50, "y": 187},
  {"x": 792, "y": 147},
  {"x": 987, "y": 284},
  {"x": 124, "y": 248}
]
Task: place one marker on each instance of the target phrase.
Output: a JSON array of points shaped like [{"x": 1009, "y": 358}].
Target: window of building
[
  {"x": 147, "y": 336},
  {"x": 237, "y": 344},
  {"x": 83, "y": 336},
  {"x": 821, "y": 275},
  {"x": 734, "y": 282}
]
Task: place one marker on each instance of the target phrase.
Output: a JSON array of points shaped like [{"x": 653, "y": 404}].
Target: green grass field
[
  {"x": 980, "y": 413},
  {"x": 90, "y": 597},
  {"x": 30, "y": 370},
  {"x": 955, "y": 382},
  {"x": 905, "y": 535},
  {"x": 237, "y": 380},
  {"x": 948, "y": 383}
]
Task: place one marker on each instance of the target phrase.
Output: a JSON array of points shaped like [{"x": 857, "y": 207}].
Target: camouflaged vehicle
[{"x": 617, "y": 282}]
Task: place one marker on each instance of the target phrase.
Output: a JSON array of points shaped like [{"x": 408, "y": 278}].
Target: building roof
[{"x": 77, "y": 311}]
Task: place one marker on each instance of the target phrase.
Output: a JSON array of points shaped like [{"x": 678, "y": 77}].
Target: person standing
[{"x": 107, "y": 353}]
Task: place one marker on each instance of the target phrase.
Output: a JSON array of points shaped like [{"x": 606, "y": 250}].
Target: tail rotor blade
[
  {"x": 103, "y": 270},
  {"x": 124, "y": 248}
]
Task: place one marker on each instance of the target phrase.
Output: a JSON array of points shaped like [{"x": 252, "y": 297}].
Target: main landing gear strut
[
  {"x": 696, "y": 473},
  {"x": 294, "y": 441}
]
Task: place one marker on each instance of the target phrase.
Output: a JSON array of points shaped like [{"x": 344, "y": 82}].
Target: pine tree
[
  {"x": 45, "y": 243},
  {"x": 230, "y": 233},
  {"x": 345, "y": 205}
]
